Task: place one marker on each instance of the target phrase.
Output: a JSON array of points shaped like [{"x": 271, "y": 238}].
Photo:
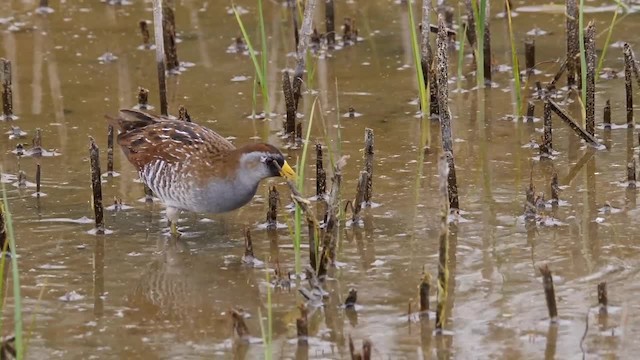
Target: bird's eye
[{"x": 264, "y": 158}]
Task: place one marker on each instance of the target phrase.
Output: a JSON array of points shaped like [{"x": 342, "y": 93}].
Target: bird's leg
[{"x": 172, "y": 216}]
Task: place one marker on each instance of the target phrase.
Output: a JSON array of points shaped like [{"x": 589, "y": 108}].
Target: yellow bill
[{"x": 287, "y": 172}]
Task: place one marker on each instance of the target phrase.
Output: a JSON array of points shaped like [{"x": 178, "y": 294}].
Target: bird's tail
[{"x": 129, "y": 120}]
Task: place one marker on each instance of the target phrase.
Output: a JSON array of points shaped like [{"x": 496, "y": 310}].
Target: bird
[{"x": 191, "y": 167}]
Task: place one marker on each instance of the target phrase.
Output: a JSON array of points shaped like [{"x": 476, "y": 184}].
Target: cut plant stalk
[
  {"x": 588, "y": 138},
  {"x": 487, "y": 43},
  {"x": 628, "y": 87},
  {"x": 160, "y": 54},
  {"x": 443, "y": 247},
  {"x": 549, "y": 292},
  {"x": 445, "y": 115},
  {"x": 183, "y": 114},
  {"x": 607, "y": 115},
  {"x": 7, "y": 92},
  {"x": 571, "y": 26},
  {"x": 110, "y": 151},
  {"x": 631, "y": 174},
  {"x": 555, "y": 189},
  {"x": 603, "y": 299},
  {"x": 368, "y": 165},
  {"x": 329, "y": 16},
  {"x": 590, "y": 83},
  {"x": 583, "y": 53},
  {"x": 38, "y": 176},
  {"x": 169, "y": 36},
  {"x": 321, "y": 174},
  {"x": 530, "y": 53},
  {"x": 146, "y": 36},
  {"x": 272, "y": 214},
  {"x": 424, "y": 295},
  {"x": 96, "y": 186},
  {"x": 143, "y": 98}
]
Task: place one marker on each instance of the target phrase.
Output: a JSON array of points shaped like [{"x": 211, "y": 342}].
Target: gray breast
[{"x": 223, "y": 195}]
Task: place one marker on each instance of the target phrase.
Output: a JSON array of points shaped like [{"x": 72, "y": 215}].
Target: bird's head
[{"x": 264, "y": 160}]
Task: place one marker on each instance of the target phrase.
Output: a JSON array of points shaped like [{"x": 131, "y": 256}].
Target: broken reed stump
[
  {"x": 321, "y": 174},
  {"x": 443, "y": 244},
  {"x": 248, "y": 256},
  {"x": 588, "y": 138},
  {"x": 530, "y": 111},
  {"x": 327, "y": 255},
  {"x": 239, "y": 326},
  {"x": 38, "y": 178},
  {"x": 302, "y": 325},
  {"x": 352, "y": 299},
  {"x": 183, "y": 114},
  {"x": 445, "y": 115},
  {"x": 530, "y": 209},
  {"x": 487, "y": 45},
  {"x": 573, "y": 44},
  {"x": 607, "y": 115},
  {"x": 424, "y": 295},
  {"x": 549, "y": 292},
  {"x": 368, "y": 164},
  {"x": 36, "y": 143},
  {"x": 96, "y": 185},
  {"x": 146, "y": 36},
  {"x": 603, "y": 300},
  {"x": 471, "y": 25},
  {"x": 555, "y": 189},
  {"x": 272, "y": 213},
  {"x": 366, "y": 350},
  {"x": 628, "y": 87},
  {"x": 143, "y": 98},
  {"x": 160, "y": 56},
  {"x": 631, "y": 174},
  {"x": 330, "y": 23},
  {"x": 110, "y": 151},
  {"x": 7, "y": 94},
  {"x": 530, "y": 54},
  {"x": 169, "y": 36},
  {"x": 363, "y": 179},
  {"x": 290, "y": 105},
  {"x": 301, "y": 50},
  {"x": 590, "y": 50},
  {"x": 313, "y": 245}
]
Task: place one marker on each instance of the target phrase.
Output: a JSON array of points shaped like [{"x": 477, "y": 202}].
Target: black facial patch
[{"x": 276, "y": 162}]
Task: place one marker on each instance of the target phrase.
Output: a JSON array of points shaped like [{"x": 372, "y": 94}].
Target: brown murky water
[{"x": 133, "y": 296}]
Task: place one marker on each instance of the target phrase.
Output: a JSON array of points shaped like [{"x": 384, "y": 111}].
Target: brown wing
[{"x": 145, "y": 138}]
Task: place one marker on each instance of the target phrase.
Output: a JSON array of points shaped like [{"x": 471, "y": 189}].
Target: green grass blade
[
  {"x": 254, "y": 59},
  {"x": 479, "y": 11},
  {"x": 583, "y": 55},
  {"x": 415, "y": 49},
  {"x": 15, "y": 278},
  {"x": 264, "y": 55},
  {"x": 608, "y": 40},
  {"x": 300, "y": 185},
  {"x": 514, "y": 61}
]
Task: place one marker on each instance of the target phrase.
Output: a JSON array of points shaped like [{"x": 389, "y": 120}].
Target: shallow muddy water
[{"x": 130, "y": 294}]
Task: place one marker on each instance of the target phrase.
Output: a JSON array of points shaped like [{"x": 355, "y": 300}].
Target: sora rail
[{"x": 190, "y": 167}]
